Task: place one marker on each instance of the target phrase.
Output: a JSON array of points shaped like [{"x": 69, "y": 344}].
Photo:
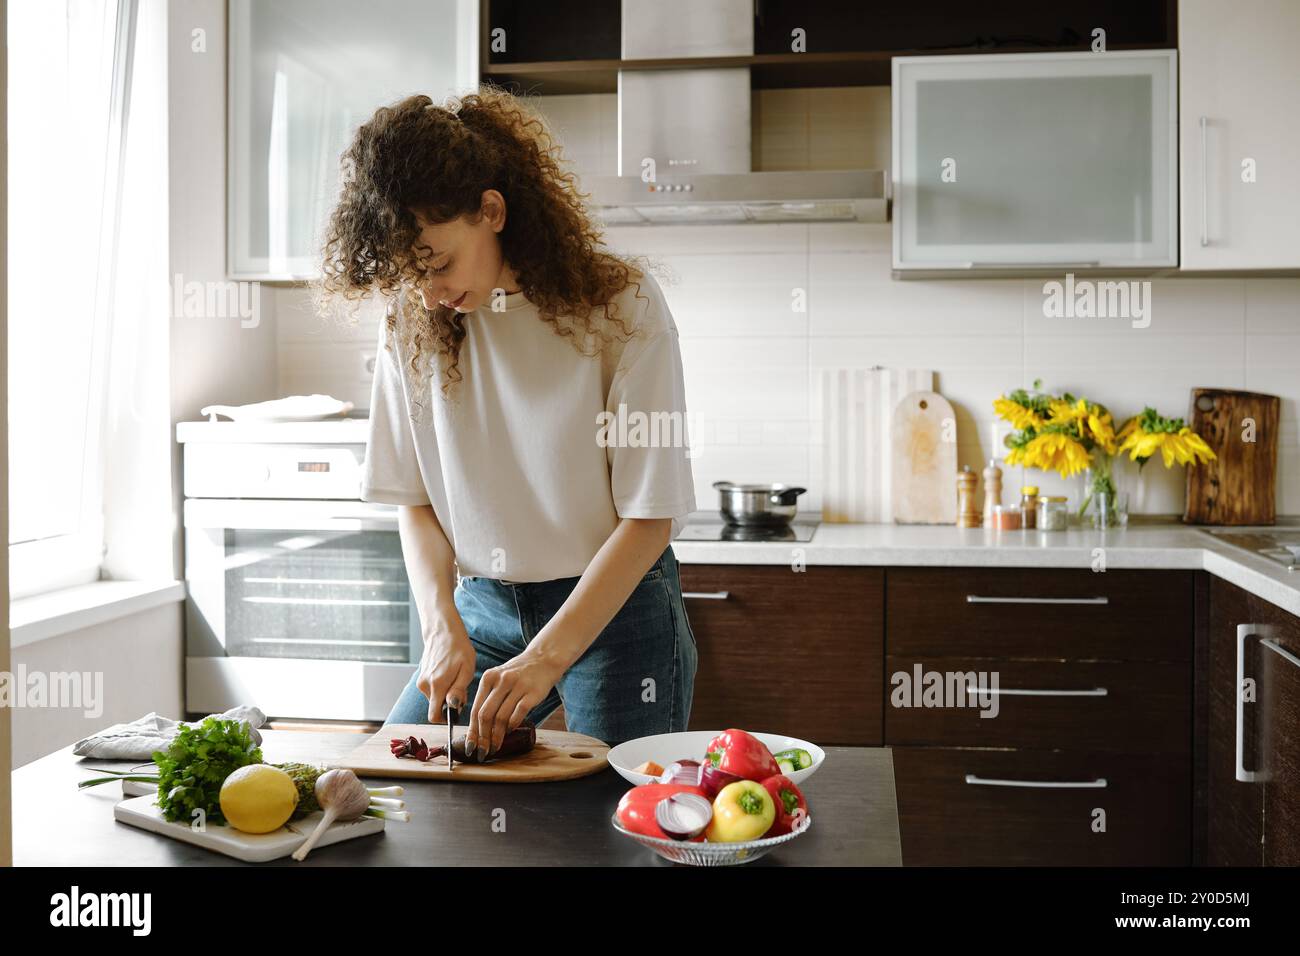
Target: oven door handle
[
  {"x": 368, "y": 522},
  {"x": 286, "y": 514}
]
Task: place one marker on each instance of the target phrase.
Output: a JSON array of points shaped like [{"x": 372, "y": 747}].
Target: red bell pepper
[
  {"x": 789, "y": 802},
  {"x": 636, "y": 810},
  {"x": 742, "y": 754}
]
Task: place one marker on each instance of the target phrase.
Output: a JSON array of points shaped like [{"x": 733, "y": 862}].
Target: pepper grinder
[
  {"x": 967, "y": 514},
  {"x": 992, "y": 489}
]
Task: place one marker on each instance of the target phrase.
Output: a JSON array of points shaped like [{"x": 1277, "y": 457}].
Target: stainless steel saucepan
[{"x": 757, "y": 505}]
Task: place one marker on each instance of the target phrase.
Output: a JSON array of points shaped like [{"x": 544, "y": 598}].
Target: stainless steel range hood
[
  {"x": 830, "y": 196},
  {"x": 684, "y": 135}
]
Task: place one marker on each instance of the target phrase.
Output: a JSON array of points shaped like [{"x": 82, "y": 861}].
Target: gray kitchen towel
[{"x": 141, "y": 737}]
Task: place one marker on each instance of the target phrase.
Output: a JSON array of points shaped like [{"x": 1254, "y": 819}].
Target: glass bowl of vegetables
[
  {"x": 732, "y": 807},
  {"x": 713, "y": 854}
]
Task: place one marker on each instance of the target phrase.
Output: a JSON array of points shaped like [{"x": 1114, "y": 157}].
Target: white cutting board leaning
[
  {"x": 857, "y": 412},
  {"x": 924, "y": 457}
]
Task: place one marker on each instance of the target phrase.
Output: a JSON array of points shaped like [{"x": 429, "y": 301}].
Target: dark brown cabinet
[
  {"x": 1122, "y": 706},
  {"x": 788, "y": 651},
  {"x": 1088, "y": 759},
  {"x": 1115, "y": 740},
  {"x": 1252, "y": 749},
  {"x": 1041, "y": 613},
  {"x": 981, "y": 807}
]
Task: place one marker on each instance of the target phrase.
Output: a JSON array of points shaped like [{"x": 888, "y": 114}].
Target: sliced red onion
[
  {"x": 683, "y": 815},
  {"x": 684, "y": 772},
  {"x": 712, "y": 779}
]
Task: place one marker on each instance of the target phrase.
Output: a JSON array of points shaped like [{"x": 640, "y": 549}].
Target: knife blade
[{"x": 451, "y": 759}]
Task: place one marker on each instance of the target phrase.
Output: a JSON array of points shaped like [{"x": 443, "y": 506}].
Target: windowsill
[{"x": 42, "y": 616}]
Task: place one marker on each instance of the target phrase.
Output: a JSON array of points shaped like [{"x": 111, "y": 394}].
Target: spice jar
[
  {"x": 1053, "y": 513},
  {"x": 1028, "y": 505},
  {"x": 1005, "y": 518}
]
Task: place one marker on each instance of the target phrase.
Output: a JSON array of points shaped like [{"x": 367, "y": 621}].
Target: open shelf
[
  {"x": 768, "y": 70},
  {"x": 572, "y": 46}
]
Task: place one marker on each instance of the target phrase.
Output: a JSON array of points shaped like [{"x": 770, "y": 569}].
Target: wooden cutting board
[
  {"x": 559, "y": 755},
  {"x": 1240, "y": 487},
  {"x": 924, "y": 453}
]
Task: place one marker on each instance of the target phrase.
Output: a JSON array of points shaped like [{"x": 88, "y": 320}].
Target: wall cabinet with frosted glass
[
  {"x": 1035, "y": 161},
  {"x": 303, "y": 75}
]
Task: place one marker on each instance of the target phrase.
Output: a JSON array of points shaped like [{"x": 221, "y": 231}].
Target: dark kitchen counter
[{"x": 854, "y": 812}]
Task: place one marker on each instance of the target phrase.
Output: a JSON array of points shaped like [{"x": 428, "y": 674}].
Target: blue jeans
[{"x": 636, "y": 679}]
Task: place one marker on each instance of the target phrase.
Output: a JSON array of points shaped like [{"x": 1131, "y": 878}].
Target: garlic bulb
[{"x": 343, "y": 797}]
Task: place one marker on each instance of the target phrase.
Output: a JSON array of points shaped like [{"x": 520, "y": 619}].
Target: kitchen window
[{"x": 88, "y": 284}]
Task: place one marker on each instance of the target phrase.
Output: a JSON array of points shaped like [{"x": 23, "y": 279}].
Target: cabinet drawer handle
[
  {"x": 707, "y": 595},
  {"x": 979, "y": 599},
  {"x": 1002, "y": 691},
  {"x": 1038, "y": 784}
]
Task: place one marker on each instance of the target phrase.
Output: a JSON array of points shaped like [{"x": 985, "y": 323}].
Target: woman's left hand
[{"x": 506, "y": 695}]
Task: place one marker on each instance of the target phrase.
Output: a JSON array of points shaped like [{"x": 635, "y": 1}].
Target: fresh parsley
[{"x": 197, "y": 762}]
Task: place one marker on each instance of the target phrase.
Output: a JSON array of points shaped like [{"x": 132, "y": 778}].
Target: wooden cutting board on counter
[
  {"x": 559, "y": 755},
  {"x": 1240, "y": 486},
  {"x": 924, "y": 454}
]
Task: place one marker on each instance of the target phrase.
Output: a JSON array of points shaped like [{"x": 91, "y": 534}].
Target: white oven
[{"x": 298, "y": 605}]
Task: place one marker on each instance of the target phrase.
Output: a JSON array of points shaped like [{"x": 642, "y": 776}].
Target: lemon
[{"x": 258, "y": 798}]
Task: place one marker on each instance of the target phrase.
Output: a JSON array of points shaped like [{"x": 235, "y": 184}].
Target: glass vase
[{"x": 1102, "y": 505}]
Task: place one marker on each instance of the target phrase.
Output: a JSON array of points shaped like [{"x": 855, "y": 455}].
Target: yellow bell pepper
[{"x": 742, "y": 811}]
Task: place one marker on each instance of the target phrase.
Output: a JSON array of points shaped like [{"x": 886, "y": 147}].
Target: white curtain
[
  {"x": 139, "y": 513},
  {"x": 88, "y": 412}
]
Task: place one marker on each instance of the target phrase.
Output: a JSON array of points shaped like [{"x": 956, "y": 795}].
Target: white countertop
[
  {"x": 1156, "y": 545},
  {"x": 336, "y": 430}
]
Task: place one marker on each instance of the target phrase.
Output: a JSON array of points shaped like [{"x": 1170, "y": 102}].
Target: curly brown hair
[{"x": 439, "y": 159}]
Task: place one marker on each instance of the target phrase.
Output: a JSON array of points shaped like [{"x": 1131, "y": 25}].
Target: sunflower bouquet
[{"x": 1068, "y": 435}]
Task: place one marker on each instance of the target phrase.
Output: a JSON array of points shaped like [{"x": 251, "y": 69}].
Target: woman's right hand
[{"x": 446, "y": 667}]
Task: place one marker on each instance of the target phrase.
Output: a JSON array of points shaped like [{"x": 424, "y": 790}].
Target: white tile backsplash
[
  {"x": 1273, "y": 305},
  {"x": 982, "y": 337},
  {"x": 1177, "y": 308},
  {"x": 750, "y": 358},
  {"x": 708, "y": 298}
]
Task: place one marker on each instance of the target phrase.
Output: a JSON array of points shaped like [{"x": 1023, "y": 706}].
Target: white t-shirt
[{"x": 526, "y": 473}]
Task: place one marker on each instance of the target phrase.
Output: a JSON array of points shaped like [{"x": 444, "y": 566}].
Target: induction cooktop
[{"x": 710, "y": 526}]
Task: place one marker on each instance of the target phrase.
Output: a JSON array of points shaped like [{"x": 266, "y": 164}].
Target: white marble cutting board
[{"x": 143, "y": 812}]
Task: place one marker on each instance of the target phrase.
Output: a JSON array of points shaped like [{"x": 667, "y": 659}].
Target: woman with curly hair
[{"x": 515, "y": 362}]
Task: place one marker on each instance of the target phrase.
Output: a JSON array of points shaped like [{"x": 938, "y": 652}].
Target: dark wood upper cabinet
[
  {"x": 553, "y": 30},
  {"x": 953, "y": 26},
  {"x": 575, "y": 46}
]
